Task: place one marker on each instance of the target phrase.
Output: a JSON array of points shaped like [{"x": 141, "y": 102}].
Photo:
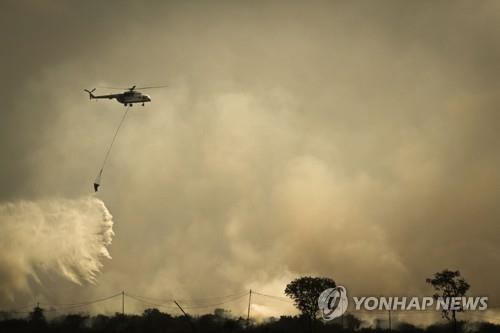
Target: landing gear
[
  {"x": 142, "y": 104},
  {"x": 130, "y": 105}
]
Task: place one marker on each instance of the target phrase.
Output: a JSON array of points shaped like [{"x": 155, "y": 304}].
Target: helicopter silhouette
[{"x": 129, "y": 97}]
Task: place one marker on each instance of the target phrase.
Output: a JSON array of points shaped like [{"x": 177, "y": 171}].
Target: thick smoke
[
  {"x": 58, "y": 236},
  {"x": 355, "y": 140}
]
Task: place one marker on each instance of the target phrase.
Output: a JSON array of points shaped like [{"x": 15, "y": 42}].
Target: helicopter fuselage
[
  {"x": 126, "y": 98},
  {"x": 132, "y": 97}
]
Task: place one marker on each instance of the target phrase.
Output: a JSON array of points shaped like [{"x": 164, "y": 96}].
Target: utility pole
[
  {"x": 249, "y": 304},
  {"x": 183, "y": 312},
  {"x": 123, "y": 302},
  {"x": 390, "y": 322},
  {"x": 187, "y": 317}
]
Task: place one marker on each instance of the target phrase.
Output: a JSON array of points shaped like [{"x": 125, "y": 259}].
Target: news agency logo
[{"x": 333, "y": 302}]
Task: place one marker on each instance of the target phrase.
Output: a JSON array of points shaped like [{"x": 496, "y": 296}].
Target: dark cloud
[{"x": 355, "y": 140}]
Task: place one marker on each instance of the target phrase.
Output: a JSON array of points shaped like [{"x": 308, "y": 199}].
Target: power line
[
  {"x": 97, "y": 300},
  {"x": 18, "y": 309},
  {"x": 199, "y": 306},
  {"x": 190, "y": 300},
  {"x": 216, "y": 304},
  {"x": 68, "y": 306},
  {"x": 278, "y": 298},
  {"x": 149, "y": 303},
  {"x": 481, "y": 314}
]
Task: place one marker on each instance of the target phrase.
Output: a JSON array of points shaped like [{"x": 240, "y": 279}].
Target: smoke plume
[{"x": 353, "y": 140}]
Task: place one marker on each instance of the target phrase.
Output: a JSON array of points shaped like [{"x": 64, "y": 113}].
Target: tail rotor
[{"x": 90, "y": 93}]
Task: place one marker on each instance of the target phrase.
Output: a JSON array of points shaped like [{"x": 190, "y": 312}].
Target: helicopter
[{"x": 128, "y": 97}]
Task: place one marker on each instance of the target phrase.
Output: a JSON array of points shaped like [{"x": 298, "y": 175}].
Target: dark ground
[{"x": 153, "y": 320}]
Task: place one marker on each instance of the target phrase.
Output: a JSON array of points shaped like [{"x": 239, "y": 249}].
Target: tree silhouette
[
  {"x": 449, "y": 284},
  {"x": 37, "y": 319},
  {"x": 351, "y": 322},
  {"x": 305, "y": 292}
]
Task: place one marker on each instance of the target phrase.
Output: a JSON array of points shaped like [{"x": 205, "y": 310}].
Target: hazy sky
[{"x": 357, "y": 140}]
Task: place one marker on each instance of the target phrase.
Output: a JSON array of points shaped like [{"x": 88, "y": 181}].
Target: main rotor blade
[
  {"x": 152, "y": 87},
  {"x": 115, "y": 88},
  {"x": 132, "y": 88}
]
